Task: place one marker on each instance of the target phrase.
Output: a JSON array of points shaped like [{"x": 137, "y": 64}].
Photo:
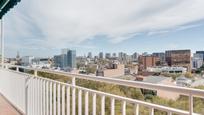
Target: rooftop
[{"x": 155, "y": 79}]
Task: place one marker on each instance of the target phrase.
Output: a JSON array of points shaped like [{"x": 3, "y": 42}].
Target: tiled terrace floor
[{"x": 6, "y": 108}]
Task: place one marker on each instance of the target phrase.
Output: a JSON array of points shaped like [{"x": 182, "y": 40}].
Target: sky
[{"x": 42, "y": 28}]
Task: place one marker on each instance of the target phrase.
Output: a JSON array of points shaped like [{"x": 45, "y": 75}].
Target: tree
[
  {"x": 91, "y": 70},
  {"x": 188, "y": 75}
]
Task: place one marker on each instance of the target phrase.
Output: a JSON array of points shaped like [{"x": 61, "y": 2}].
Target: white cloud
[
  {"x": 158, "y": 32},
  {"x": 61, "y": 22}
]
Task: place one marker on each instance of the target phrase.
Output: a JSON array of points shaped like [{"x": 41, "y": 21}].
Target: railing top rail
[{"x": 136, "y": 84}]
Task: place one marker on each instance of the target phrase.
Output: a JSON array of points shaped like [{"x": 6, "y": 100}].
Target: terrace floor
[{"x": 6, "y": 108}]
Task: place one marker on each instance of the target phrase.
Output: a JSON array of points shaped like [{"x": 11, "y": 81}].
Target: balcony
[{"x": 34, "y": 94}]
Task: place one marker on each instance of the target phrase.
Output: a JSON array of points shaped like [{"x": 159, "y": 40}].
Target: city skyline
[
  {"x": 164, "y": 26},
  {"x": 112, "y": 54}
]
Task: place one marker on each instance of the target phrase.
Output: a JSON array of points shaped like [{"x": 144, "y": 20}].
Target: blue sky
[{"x": 42, "y": 28}]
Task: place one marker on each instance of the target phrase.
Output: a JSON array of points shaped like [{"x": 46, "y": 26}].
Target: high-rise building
[
  {"x": 114, "y": 55},
  {"x": 18, "y": 55},
  {"x": 197, "y": 61},
  {"x": 64, "y": 51},
  {"x": 58, "y": 61},
  {"x": 120, "y": 55},
  {"x": 179, "y": 58},
  {"x": 101, "y": 55},
  {"x": 108, "y": 55},
  {"x": 64, "y": 57},
  {"x": 27, "y": 60},
  {"x": 66, "y": 60},
  {"x": 0, "y": 58},
  {"x": 18, "y": 58},
  {"x": 71, "y": 58},
  {"x": 145, "y": 54},
  {"x": 161, "y": 57},
  {"x": 201, "y": 53},
  {"x": 124, "y": 58},
  {"x": 198, "y": 55},
  {"x": 89, "y": 55},
  {"x": 135, "y": 56}
]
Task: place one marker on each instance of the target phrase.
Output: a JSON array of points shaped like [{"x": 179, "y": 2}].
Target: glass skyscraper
[
  {"x": 66, "y": 60},
  {"x": 71, "y": 59}
]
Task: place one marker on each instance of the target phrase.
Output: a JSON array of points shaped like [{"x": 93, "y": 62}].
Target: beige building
[{"x": 118, "y": 70}]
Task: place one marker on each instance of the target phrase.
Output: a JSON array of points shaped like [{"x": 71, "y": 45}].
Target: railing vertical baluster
[
  {"x": 136, "y": 109},
  {"x": 80, "y": 102},
  {"x": 27, "y": 98},
  {"x": 112, "y": 106},
  {"x": 44, "y": 97},
  {"x": 63, "y": 99},
  {"x": 151, "y": 111},
  {"x": 31, "y": 96},
  {"x": 73, "y": 96},
  {"x": 41, "y": 96},
  {"x": 37, "y": 97},
  {"x": 54, "y": 100},
  {"x": 102, "y": 105},
  {"x": 50, "y": 98},
  {"x": 94, "y": 104},
  {"x": 32, "y": 99},
  {"x": 47, "y": 98},
  {"x": 20, "y": 95},
  {"x": 58, "y": 100},
  {"x": 17, "y": 90},
  {"x": 68, "y": 101},
  {"x": 190, "y": 104},
  {"x": 86, "y": 103},
  {"x": 124, "y": 108},
  {"x": 169, "y": 113}
]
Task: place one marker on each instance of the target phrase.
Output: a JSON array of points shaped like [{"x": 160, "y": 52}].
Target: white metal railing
[{"x": 35, "y": 95}]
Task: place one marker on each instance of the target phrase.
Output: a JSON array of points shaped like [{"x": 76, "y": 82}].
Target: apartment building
[
  {"x": 179, "y": 58},
  {"x": 147, "y": 61}
]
